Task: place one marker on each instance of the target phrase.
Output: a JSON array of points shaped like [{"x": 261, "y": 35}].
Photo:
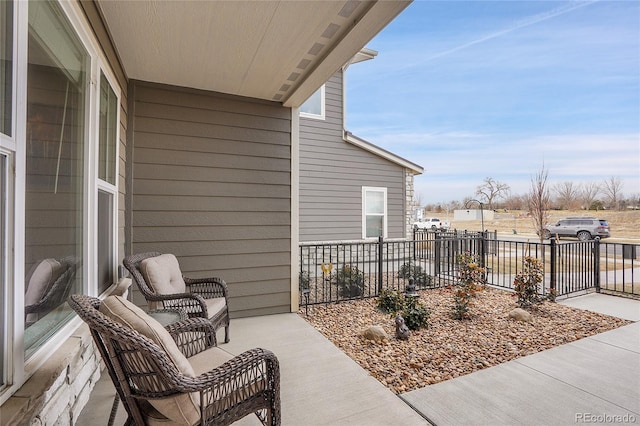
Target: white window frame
[
  {"x": 6, "y": 221},
  {"x": 102, "y": 185},
  {"x": 323, "y": 103},
  {"x": 383, "y": 190},
  {"x": 13, "y": 368},
  {"x": 17, "y": 369}
]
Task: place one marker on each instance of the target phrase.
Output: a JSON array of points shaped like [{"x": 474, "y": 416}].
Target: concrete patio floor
[
  {"x": 320, "y": 385},
  {"x": 593, "y": 380}
]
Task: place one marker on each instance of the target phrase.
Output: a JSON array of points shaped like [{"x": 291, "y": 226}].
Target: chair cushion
[
  {"x": 182, "y": 409},
  {"x": 215, "y": 305},
  {"x": 163, "y": 274},
  {"x": 208, "y": 360},
  {"x": 39, "y": 280}
]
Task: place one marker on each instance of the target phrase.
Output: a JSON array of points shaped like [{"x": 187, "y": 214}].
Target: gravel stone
[{"x": 450, "y": 348}]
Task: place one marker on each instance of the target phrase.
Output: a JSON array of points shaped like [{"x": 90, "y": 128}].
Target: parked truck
[{"x": 431, "y": 223}]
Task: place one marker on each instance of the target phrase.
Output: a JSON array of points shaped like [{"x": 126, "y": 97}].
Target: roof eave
[
  {"x": 379, "y": 15},
  {"x": 383, "y": 153}
]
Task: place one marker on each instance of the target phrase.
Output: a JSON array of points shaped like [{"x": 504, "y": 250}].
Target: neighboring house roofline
[
  {"x": 368, "y": 146},
  {"x": 364, "y": 54}
]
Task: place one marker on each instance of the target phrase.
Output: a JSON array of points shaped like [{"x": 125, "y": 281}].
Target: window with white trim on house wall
[
  {"x": 314, "y": 107},
  {"x": 61, "y": 204},
  {"x": 374, "y": 212},
  {"x": 7, "y": 144},
  {"x": 106, "y": 182}
]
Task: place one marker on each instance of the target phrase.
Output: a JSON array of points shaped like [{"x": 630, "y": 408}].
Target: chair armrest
[
  {"x": 251, "y": 377},
  {"x": 255, "y": 367},
  {"x": 193, "y": 304},
  {"x": 193, "y": 335},
  {"x": 209, "y": 288}
]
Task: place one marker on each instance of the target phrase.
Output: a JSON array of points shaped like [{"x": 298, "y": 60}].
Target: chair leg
[{"x": 226, "y": 334}]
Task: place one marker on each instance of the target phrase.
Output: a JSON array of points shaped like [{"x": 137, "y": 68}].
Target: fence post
[
  {"x": 596, "y": 263},
  {"x": 552, "y": 265},
  {"x": 436, "y": 254},
  {"x": 413, "y": 245},
  {"x": 380, "y": 251},
  {"x": 483, "y": 240}
]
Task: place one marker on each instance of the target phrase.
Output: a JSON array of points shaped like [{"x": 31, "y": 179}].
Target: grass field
[{"x": 625, "y": 225}]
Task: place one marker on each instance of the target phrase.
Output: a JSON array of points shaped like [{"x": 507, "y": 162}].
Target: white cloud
[{"x": 455, "y": 167}]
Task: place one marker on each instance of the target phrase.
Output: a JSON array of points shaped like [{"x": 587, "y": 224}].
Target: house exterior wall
[
  {"x": 333, "y": 172},
  {"x": 211, "y": 183}
]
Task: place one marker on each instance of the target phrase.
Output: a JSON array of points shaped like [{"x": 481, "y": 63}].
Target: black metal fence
[{"x": 345, "y": 270}]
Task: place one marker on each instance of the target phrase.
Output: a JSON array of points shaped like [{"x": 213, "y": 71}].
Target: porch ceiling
[{"x": 278, "y": 50}]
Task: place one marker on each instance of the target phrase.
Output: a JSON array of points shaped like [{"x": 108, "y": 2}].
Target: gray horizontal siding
[
  {"x": 332, "y": 174},
  {"x": 212, "y": 184}
]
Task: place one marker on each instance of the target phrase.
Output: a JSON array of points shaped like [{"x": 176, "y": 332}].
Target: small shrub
[
  {"x": 471, "y": 279},
  {"x": 390, "y": 301},
  {"x": 420, "y": 278},
  {"x": 415, "y": 314},
  {"x": 551, "y": 295},
  {"x": 527, "y": 282},
  {"x": 350, "y": 281},
  {"x": 304, "y": 280}
]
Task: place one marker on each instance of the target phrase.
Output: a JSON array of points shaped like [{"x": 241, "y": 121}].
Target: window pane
[
  {"x": 375, "y": 202},
  {"x": 6, "y": 65},
  {"x": 313, "y": 105},
  {"x": 374, "y": 226},
  {"x": 54, "y": 199},
  {"x": 107, "y": 143},
  {"x": 105, "y": 241}
]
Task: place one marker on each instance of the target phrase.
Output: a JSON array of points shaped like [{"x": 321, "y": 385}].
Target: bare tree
[
  {"x": 539, "y": 201},
  {"x": 516, "y": 202},
  {"x": 491, "y": 190},
  {"x": 612, "y": 189},
  {"x": 567, "y": 195},
  {"x": 417, "y": 199},
  {"x": 589, "y": 192}
]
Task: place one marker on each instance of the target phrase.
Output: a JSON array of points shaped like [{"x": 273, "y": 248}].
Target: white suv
[{"x": 583, "y": 228}]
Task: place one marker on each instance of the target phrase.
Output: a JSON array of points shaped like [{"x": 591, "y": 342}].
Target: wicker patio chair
[
  {"x": 48, "y": 286},
  {"x": 177, "y": 375},
  {"x": 200, "y": 297}
]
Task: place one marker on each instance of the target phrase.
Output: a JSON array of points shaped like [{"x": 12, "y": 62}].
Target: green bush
[
  {"x": 304, "y": 280},
  {"x": 471, "y": 279},
  {"x": 420, "y": 278},
  {"x": 415, "y": 314},
  {"x": 390, "y": 301},
  {"x": 350, "y": 281},
  {"x": 527, "y": 282}
]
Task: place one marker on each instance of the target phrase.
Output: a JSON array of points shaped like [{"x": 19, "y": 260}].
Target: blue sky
[{"x": 475, "y": 89}]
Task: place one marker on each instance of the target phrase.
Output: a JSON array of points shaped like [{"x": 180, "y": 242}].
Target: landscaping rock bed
[{"x": 449, "y": 348}]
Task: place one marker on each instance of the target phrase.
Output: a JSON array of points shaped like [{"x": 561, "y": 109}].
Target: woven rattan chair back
[
  {"x": 133, "y": 361},
  {"x": 58, "y": 291},
  {"x": 132, "y": 263},
  {"x": 193, "y": 301}
]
